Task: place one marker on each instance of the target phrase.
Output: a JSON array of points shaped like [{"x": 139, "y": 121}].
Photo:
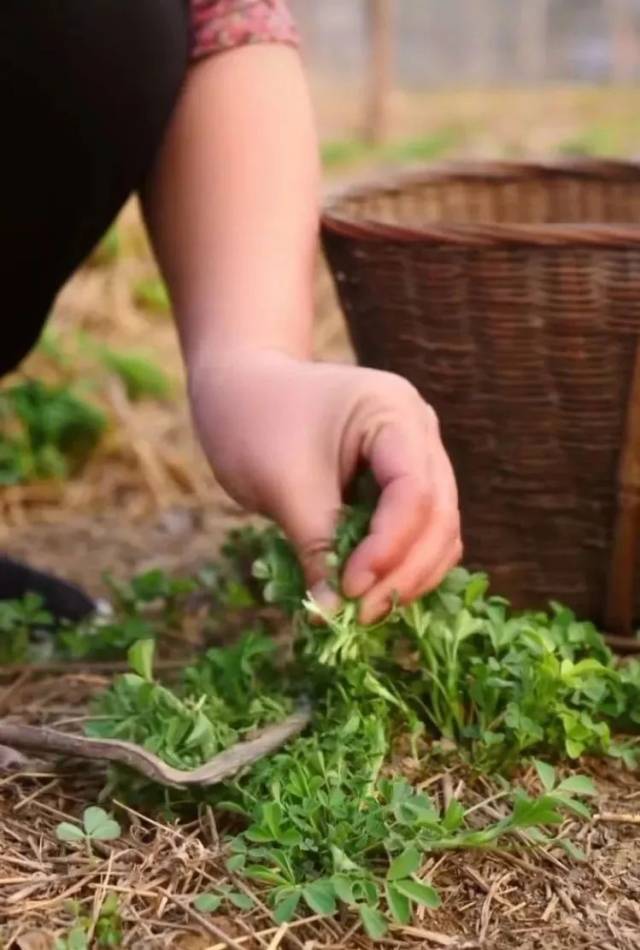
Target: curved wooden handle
[{"x": 220, "y": 767}]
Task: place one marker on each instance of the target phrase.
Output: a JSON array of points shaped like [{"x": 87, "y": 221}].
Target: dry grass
[
  {"x": 147, "y": 499},
  {"x": 505, "y": 899}
]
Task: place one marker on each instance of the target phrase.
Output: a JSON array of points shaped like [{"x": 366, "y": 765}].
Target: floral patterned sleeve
[{"x": 217, "y": 25}]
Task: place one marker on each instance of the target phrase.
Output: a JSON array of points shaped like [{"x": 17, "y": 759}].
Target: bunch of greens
[
  {"x": 216, "y": 702},
  {"x": 497, "y": 684},
  {"x": 45, "y": 432},
  {"x": 461, "y": 663}
]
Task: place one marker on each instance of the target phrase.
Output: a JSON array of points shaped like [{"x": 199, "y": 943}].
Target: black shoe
[{"x": 62, "y": 599}]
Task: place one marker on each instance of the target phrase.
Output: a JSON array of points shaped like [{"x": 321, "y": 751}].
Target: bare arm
[{"x": 232, "y": 206}]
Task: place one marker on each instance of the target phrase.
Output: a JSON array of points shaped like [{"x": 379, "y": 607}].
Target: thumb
[{"x": 309, "y": 517}]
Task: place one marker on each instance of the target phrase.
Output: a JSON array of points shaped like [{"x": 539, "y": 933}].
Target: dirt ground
[{"x": 148, "y": 499}]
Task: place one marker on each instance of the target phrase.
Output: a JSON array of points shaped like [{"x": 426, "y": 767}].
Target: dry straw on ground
[{"x": 526, "y": 900}]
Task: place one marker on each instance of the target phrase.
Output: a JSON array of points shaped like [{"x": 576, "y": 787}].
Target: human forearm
[{"x": 232, "y": 205}]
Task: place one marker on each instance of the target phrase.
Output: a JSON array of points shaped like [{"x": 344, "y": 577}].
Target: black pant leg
[{"x": 86, "y": 90}]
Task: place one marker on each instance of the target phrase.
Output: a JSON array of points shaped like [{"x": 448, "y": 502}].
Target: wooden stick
[{"x": 220, "y": 767}]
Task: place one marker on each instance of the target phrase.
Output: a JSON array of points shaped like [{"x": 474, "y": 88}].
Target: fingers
[
  {"x": 415, "y": 533},
  {"x": 399, "y": 467},
  {"x": 429, "y": 560},
  {"x": 308, "y": 516}
]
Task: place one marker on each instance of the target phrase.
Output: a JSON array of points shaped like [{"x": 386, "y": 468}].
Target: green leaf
[
  {"x": 236, "y": 862},
  {"x": 454, "y": 816},
  {"x": 343, "y": 886},
  {"x": 291, "y": 838},
  {"x": 99, "y": 825},
  {"x": 68, "y": 832},
  {"x": 538, "y": 835},
  {"x": 546, "y": 774},
  {"x": 320, "y": 896},
  {"x": 573, "y": 805},
  {"x": 419, "y": 892},
  {"x": 207, "y": 903},
  {"x": 404, "y": 865},
  {"x": 140, "y": 657},
  {"x": 286, "y": 908},
  {"x": 577, "y": 785},
  {"x": 272, "y": 817},
  {"x": 202, "y": 733},
  {"x": 366, "y": 892},
  {"x": 259, "y": 872},
  {"x": 77, "y": 939},
  {"x": 373, "y": 922},
  {"x": 341, "y": 861},
  {"x": 280, "y": 858},
  {"x": 241, "y": 900},
  {"x": 398, "y": 904},
  {"x": 476, "y": 588},
  {"x": 259, "y": 834},
  {"x": 572, "y": 849},
  {"x": 535, "y": 811},
  {"x": 573, "y": 748},
  {"x": 110, "y": 905}
]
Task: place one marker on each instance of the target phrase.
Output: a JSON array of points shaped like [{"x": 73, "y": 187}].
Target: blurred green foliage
[
  {"x": 140, "y": 375},
  {"x": 45, "y": 432},
  {"x": 151, "y": 294},
  {"x": 342, "y": 153}
]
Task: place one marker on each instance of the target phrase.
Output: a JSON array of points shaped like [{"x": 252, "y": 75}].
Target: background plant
[{"x": 45, "y": 432}]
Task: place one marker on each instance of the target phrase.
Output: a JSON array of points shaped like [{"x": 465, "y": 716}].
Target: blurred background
[
  {"x": 99, "y": 469},
  {"x": 479, "y": 77},
  {"x": 476, "y": 41}
]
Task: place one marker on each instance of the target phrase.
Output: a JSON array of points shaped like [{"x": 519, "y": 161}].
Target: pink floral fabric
[{"x": 222, "y": 24}]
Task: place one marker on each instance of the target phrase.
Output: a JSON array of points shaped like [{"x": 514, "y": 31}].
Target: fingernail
[
  {"x": 362, "y": 584},
  {"x": 371, "y": 613},
  {"x": 325, "y": 597}
]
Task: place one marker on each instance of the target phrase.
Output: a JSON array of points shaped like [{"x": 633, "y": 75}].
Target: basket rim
[{"x": 336, "y": 221}]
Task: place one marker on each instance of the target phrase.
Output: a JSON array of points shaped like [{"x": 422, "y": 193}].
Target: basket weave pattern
[{"x": 509, "y": 295}]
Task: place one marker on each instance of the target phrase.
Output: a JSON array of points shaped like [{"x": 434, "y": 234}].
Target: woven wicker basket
[{"x": 510, "y": 296}]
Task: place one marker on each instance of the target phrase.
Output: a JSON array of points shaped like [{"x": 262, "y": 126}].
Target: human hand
[{"x": 285, "y": 438}]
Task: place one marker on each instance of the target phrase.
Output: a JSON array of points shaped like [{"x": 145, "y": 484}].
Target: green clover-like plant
[{"x": 97, "y": 825}]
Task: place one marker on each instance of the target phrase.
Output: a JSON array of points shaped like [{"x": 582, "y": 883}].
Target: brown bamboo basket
[{"x": 509, "y": 295}]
